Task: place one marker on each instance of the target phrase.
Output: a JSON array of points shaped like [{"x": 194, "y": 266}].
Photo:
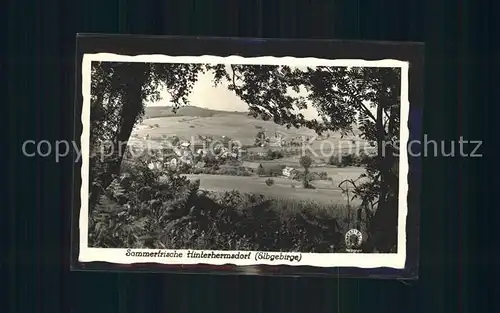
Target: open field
[
  {"x": 236, "y": 126},
  {"x": 326, "y": 192},
  {"x": 339, "y": 174}
]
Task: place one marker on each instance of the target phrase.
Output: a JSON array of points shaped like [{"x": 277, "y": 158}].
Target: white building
[
  {"x": 173, "y": 163},
  {"x": 289, "y": 171},
  {"x": 155, "y": 166}
]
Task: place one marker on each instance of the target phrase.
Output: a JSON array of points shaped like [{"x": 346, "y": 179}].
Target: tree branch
[{"x": 354, "y": 98}]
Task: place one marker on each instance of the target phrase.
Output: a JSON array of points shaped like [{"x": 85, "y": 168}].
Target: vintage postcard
[{"x": 244, "y": 161}]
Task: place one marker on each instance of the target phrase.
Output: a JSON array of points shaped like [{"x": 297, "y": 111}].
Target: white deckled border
[{"x": 360, "y": 260}]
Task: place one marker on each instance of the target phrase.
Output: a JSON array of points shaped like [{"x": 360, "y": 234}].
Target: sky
[{"x": 205, "y": 95}]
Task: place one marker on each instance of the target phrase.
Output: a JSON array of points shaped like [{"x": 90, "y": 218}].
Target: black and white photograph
[{"x": 244, "y": 161}]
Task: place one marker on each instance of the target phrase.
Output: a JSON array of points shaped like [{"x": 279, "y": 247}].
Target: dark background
[{"x": 457, "y": 242}]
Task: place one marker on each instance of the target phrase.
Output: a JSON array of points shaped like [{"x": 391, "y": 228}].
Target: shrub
[
  {"x": 274, "y": 154},
  {"x": 310, "y": 176},
  {"x": 274, "y": 172},
  {"x": 334, "y": 160},
  {"x": 323, "y": 175},
  {"x": 349, "y": 160},
  {"x": 305, "y": 161},
  {"x": 269, "y": 182},
  {"x": 237, "y": 171},
  {"x": 210, "y": 160},
  {"x": 175, "y": 140},
  {"x": 365, "y": 159}
]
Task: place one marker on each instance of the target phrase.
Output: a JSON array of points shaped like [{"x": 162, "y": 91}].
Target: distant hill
[
  {"x": 194, "y": 111},
  {"x": 166, "y": 111}
]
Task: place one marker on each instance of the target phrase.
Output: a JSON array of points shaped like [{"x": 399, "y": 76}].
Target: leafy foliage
[
  {"x": 305, "y": 161},
  {"x": 269, "y": 182}
]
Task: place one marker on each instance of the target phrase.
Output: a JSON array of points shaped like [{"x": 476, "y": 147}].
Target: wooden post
[{"x": 348, "y": 205}]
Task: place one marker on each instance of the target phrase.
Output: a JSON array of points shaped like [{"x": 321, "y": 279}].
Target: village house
[
  {"x": 178, "y": 152},
  {"x": 289, "y": 172},
  {"x": 230, "y": 155},
  {"x": 277, "y": 140},
  {"x": 173, "y": 163},
  {"x": 155, "y": 166},
  {"x": 186, "y": 160},
  {"x": 200, "y": 165}
]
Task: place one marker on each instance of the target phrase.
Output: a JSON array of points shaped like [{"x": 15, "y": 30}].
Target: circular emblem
[{"x": 353, "y": 239}]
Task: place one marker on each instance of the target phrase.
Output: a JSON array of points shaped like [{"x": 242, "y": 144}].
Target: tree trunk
[
  {"x": 133, "y": 77},
  {"x": 381, "y": 151},
  {"x": 381, "y": 227},
  {"x": 392, "y": 183}
]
